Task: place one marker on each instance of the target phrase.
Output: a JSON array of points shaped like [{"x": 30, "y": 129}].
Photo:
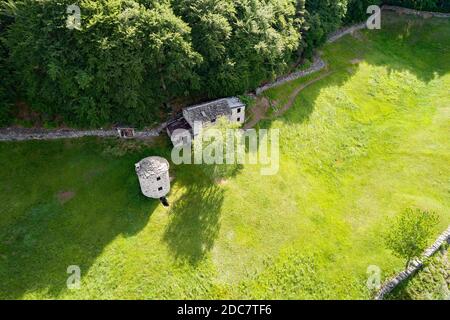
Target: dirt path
[
  {"x": 296, "y": 92},
  {"x": 258, "y": 112},
  {"x": 262, "y": 104}
]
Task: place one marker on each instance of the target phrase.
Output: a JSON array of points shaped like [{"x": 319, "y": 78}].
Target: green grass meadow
[{"x": 357, "y": 147}]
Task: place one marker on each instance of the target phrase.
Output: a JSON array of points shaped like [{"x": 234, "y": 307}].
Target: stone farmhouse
[{"x": 207, "y": 114}]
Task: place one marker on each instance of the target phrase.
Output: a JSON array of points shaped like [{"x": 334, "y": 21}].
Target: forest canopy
[{"x": 129, "y": 59}]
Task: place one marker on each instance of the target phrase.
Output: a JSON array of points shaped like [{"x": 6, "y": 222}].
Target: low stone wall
[
  {"x": 415, "y": 265},
  {"x": 423, "y": 14},
  {"x": 22, "y": 134},
  {"x": 318, "y": 64},
  {"x": 344, "y": 31},
  {"x": 400, "y": 10}
]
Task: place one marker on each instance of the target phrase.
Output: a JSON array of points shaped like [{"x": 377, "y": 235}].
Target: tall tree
[{"x": 409, "y": 233}]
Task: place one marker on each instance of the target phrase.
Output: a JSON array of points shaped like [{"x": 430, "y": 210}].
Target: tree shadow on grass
[
  {"x": 195, "y": 223},
  {"x": 420, "y": 46},
  {"x": 195, "y": 217},
  {"x": 404, "y": 43},
  {"x": 45, "y": 235}
]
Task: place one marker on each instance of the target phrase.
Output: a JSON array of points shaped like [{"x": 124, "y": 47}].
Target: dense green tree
[
  {"x": 7, "y": 84},
  {"x": 322, "y": 18},
  {"x": 410, "y": 232},
  {"x": 123, "y": 63},
  {"x": 242, "y": 42},
  {"x": 357, "y": 10},
  {"x": 130, "y": 57}
]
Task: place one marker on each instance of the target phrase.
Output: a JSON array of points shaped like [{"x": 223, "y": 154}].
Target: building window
[
  {"x": 158, "y": 179},
  {"x": 213, "y": 121},
  {"x": 239, "y": 119},
  {"x": 239, "y": 110},
  {"x": 160, "y": 188}
]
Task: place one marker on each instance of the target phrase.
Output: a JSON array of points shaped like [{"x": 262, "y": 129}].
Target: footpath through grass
[{"x": 356, "y": 148}]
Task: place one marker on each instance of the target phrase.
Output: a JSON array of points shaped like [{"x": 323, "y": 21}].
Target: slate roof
[
  {"x": 151, "y": 166},
  {"x": 235, "y": 102},
  {"x": 207, "y": 112}
]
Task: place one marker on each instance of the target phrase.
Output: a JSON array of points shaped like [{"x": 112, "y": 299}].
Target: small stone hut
[{"x": 153, "y": 174}]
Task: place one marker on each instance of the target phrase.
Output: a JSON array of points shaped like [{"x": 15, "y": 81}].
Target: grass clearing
[{"x": 357, "y": 147}]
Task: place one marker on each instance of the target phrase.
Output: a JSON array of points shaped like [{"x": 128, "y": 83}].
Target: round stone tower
[{"x": 153, "y": 173}]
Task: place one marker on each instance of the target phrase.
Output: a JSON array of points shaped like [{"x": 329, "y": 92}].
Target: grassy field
[{"x": 356, "y": 148}]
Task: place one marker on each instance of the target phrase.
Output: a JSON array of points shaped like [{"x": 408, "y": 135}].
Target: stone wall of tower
[{"x": 155, "y": 186}]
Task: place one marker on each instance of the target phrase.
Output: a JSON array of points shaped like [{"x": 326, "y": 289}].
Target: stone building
[
  {"x": 207, "y": 114},
  {"x": 153, "y": 174}
]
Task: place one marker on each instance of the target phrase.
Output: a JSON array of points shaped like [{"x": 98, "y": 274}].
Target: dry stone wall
[
  {"x": 415, "y": 266},
  {"x": 344, "y": 31},
  {"x": 423, "y": 14},
  {"x": 21, "y": 134},
  {"x": 318, "y": 64}
]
